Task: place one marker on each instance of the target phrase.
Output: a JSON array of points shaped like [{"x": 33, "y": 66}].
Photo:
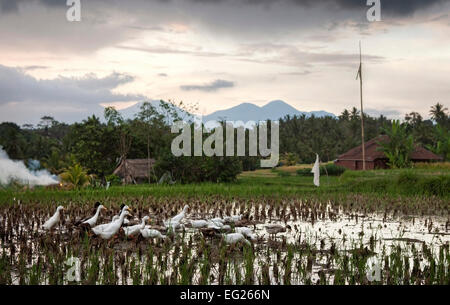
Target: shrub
[
  {"x": 407, "y": 178},
  {"x": 432, "y": 165},
  {"x": 189, "y": 169},
  {"x": 407, "y": 183},
  {"x": 333, "y": 170},
  {"x": 113, "y": 179},
  {"x": 290, "y": 159},
  {"x": 438, "y": 186},
  {"x": 330, "y": 169},
  {"x": 304, "y": 172},
  {"x": 283, "y": 173}
]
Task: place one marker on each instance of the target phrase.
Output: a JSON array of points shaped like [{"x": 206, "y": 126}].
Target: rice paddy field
[{"x": 340, "y": 233}]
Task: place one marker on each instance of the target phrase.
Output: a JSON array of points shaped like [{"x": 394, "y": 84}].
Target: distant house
[
  {"x": 134, "y": 170},
  {"x": 376, "y": 158}
]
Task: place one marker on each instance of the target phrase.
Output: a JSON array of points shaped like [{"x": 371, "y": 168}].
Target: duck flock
[{"x": 209, "y": 227}]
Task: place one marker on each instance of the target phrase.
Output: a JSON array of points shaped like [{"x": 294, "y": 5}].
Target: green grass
[
  {"x": 409, "y": 182},
  {"x": 264, "y": 183}
]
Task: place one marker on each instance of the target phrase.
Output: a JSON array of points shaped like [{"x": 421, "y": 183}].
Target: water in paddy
[{"x": 326, "y": 247}]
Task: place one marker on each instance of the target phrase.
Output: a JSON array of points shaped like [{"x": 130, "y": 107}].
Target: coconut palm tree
[{"x": 439, "y": 113}]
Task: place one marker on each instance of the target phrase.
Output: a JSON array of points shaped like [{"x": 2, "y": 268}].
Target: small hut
[
  {"x": 376, "y": 158},
  {"x": 134, "y": 170}
]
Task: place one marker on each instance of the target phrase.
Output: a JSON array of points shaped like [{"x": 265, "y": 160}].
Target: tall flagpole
[{"x": 362, "y": 109}]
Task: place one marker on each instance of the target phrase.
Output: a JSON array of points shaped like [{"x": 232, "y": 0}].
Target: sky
[{"x": 218, "y": 54}]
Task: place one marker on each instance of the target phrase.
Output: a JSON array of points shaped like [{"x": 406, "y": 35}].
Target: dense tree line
[
  {"x": 99, "y": 145},
  {"x": 302, "y": 137}
]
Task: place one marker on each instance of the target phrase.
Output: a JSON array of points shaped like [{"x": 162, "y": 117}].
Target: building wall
[
  {"x": 355, "y": 164},
  {"x": 379, "y": 163},
  {"x": 350, "y": 164},
  {"x": 369, "y": 165}
]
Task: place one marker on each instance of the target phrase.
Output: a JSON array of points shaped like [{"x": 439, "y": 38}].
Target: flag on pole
[
  {"x": 316, "y": 171},
  {"x": 359, "y": 72}
]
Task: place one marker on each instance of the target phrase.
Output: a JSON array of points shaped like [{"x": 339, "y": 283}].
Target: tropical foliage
[
  {"x": 399, "y": 146},
  {"x": 99, "y": 144},
  {"x": 75, "y": 176}
]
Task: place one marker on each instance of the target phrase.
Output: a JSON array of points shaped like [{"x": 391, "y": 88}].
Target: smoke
[
  {"x": 11, "y": 171},
  {"x": 34, "y": 165}
]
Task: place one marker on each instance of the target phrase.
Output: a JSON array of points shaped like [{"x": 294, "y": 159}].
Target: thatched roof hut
[
  {"x": 376, "y": 158},
  {"x": 134, "y": 170}
]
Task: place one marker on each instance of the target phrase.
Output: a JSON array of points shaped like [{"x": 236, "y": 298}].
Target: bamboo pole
[{"x": 362, "y": 109}]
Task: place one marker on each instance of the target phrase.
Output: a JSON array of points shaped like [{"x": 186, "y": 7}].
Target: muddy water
[{"x": 374, "y": 235}]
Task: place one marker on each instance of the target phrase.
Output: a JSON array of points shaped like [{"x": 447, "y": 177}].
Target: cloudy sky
[{"x": 220, "y": 53}]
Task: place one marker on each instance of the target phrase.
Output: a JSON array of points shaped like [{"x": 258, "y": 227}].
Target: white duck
[
  {"x": 112, "y": 229},
  {"x": 246, "y": 232},
  {"x": 173, "y": 226},
  {"x": 116, "y": 217},
  {"x": 132, "y": 230},
  {"x": 234, "y": 218},
  {"x": 147, "y": 232},
  {"x": 214, "y": 225},
  {"x": 98, "y": 229},
  {"x": 175, "y": 222},
  {"x": 52, "y": 221},
  {"x": 180, "y": 216},
  {"x": 217, "y": 219},
  {"x": 201, "y": 223},
  {"x": 233, "y": 238},
  {"x": 93, "y": 220}
]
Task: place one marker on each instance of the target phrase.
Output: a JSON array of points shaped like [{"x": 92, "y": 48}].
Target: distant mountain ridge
[
  {"x": 245, "y": 112},
  {"x": 273, "y": 110}
]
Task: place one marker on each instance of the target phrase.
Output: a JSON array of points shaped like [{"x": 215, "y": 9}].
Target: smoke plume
[{"x": 11, "y": 171}]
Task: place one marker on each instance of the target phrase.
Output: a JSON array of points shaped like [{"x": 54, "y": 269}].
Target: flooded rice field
[{"x": 216, "y": 241}]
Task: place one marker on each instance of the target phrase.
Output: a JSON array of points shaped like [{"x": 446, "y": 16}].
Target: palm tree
[
  {"x": 354, "y": 115},
  {"x": 345, "y": 115},
  {"x": 76, "y": 176},
  {"x": 438, "y": 113}
]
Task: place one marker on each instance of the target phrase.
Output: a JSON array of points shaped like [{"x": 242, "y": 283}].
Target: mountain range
[
  {"x": 273, "y": 110},
  {"x": 245, "y": 112}
]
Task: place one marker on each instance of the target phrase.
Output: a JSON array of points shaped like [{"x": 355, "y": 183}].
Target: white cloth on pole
[{"x": 316, "y": 171}]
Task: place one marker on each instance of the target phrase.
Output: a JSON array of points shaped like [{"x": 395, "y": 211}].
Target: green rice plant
[
  {"x": 249, "y": 263},
  {"x": 205, "y": 267},
  {"x": 5, "y": 270}
]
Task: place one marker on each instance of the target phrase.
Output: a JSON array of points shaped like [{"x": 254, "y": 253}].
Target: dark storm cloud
[
  {"x": 213, "y": 86},
  {"x": 394, "y": 7},
  {"x": 8, "y": 6},
  {"x": 389, "y": 7},
  {"x": 18, "y": 87}
]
